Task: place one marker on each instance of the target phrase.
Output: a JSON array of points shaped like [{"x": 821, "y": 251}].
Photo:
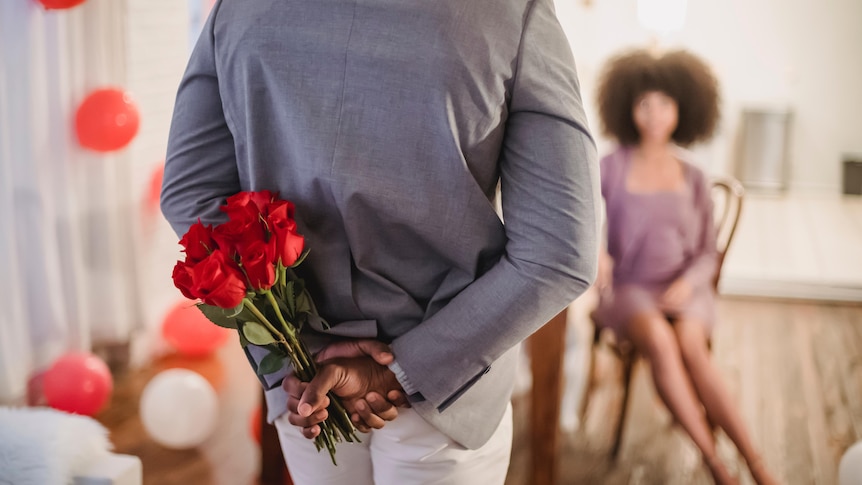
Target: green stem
[
  {"x": 280, "y": 279},
  {"x": 300, "y": 356},
  {"x": 337, "y": 427},
  {"x": 260, "y": 316},
  {"x": 287, "y": 328}
]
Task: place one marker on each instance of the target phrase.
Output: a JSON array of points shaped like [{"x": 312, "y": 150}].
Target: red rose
[
  {"x": 257, "y": 259},
  {"x": 236, "y": 235},
  {"x": 183, "y": 279},
  {"x": 218, "y": 281},
  {"x": 246, "y": 205},
  {"x": 279, "y": 212},
  {"x": 288, "y": 243},
  {"x": 198, "y": 242}
]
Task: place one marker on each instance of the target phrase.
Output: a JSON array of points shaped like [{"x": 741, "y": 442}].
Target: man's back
[
  {"x": 389, "y": 123},
  {"x": 386, "y": 117}
]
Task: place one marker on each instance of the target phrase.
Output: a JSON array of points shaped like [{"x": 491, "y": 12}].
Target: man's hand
[
  {"x": 375, "y": 349},
  {"x": 359, "y": 381},
  {"x": 379, "y": 351}
]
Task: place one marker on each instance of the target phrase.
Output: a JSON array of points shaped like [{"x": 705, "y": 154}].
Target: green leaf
[
  {"x": 257, "y": 333},
  {"x": 233, "y": 312},
  {"x": 217, "y": 316},
  {"x": 311, "y": 305},
  {"x": 298, "y": 285},
  {"x": 285, "y": 312},
  {"x": 303, "y": 303},
  {"x": 242, "y": 340},
  {"x": 273, "y": 362},
  {"x": 246, "y": 315},
  {"x": 313, "y": 317}
]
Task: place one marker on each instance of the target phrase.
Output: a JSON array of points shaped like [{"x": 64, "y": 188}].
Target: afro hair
[{"x": 679, "y": 74}]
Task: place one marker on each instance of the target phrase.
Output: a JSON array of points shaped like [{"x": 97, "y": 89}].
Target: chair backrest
[{"x": 727, "y": 195}]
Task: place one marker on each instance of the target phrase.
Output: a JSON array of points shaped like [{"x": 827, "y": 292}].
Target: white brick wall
[{"x": 156, "y": 54}]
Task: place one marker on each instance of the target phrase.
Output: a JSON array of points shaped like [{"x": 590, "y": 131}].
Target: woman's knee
[
  {"x": 693, "y": 342},
  {"x": 654, "y": 337}
]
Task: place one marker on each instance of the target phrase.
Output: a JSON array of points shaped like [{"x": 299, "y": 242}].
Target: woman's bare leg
[
  {"x": 716, "y": 399},
  {"x": 653, "y": 337}
]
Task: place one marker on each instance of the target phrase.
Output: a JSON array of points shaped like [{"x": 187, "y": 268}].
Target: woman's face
[{"x": 655, "y": 116}]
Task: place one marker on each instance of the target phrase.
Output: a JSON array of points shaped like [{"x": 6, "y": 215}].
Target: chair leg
[
  {"x": 590, "y": 378},
  {"x": 628, "y": 367},
  {"x": 588, "y": 385}
]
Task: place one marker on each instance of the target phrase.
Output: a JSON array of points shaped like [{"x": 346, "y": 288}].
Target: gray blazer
[{"x": 389, "y": 123}]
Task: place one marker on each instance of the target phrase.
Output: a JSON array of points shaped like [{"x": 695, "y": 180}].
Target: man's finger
[
  {"x": 293, "y": 386},
  {"x": 381, "y": 407},
  {"x": 314, "y": 396},
  {"x": 398, "y": 398},
  {"x": 377, "y": 350},
  {"x": 367, "y": 415},
  {"x": 311, "y": 432},
  {"x": 359, "y": 424},
  {"x": 309, "y": 421}
]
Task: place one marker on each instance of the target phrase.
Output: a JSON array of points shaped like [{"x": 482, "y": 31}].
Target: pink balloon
[
  {"x": 187, "y": 330},
  {"x": 78, "y": 382}
]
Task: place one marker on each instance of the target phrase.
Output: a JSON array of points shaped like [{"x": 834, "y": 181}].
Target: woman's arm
[{"x": 704, "y": 262}]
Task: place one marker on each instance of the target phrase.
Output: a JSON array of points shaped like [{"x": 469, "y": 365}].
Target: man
[{"x": 389, "y": 124}]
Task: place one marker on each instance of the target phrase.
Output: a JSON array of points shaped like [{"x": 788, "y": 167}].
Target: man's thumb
[{"x": 314, "y": 397}]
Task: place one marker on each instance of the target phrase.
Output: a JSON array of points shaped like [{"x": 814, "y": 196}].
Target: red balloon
[
  {"x": 187, "y": 330},
  {"x": 60, "y": 4},
  {"x": 107, "y": 120},
  {"x": 154, "y": 191},
  {"x": 78, "y": 382},
  {"x": 256, "y": 431}
]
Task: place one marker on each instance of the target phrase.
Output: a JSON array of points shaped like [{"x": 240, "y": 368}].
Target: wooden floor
[
  {"x": 229, "y": 457},
  {"x": 794, "y": 368}
]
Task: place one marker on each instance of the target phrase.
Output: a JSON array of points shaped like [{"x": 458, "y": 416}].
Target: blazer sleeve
[
  {"x": 200, "y": 165},
  {"x": 550, "y": 200},
  {"x": 704, "y": 261}
]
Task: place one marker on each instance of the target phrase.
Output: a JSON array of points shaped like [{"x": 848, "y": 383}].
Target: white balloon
[
  {"x": 850, "y": 468},
  {"x": 179, "y": 408}
]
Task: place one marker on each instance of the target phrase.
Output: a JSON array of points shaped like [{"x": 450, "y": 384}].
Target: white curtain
[{"x": 68, "y": 275}]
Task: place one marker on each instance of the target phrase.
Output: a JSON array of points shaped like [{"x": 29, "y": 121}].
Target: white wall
[
  {"x": 799, "y": 53},
  {"x": 157, "y": 50}
]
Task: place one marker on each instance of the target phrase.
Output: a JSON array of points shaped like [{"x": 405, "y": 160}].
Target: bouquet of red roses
[{"x": 242, "y": 272}]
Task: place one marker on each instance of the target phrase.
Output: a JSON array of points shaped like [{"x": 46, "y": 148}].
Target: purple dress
[{"x": 655, "y": 238}]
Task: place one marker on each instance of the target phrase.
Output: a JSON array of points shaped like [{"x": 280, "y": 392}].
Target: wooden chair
[{"x": 727, "y": 194}]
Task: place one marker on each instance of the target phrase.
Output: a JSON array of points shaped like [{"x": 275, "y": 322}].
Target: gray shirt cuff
[{"x": 408, "y": 386}]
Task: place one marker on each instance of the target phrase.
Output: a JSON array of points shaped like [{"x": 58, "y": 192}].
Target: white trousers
[{"x": 406, "y": 451}]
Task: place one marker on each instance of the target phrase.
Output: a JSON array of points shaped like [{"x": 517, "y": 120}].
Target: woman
[{"x": 656, "y": 273}]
